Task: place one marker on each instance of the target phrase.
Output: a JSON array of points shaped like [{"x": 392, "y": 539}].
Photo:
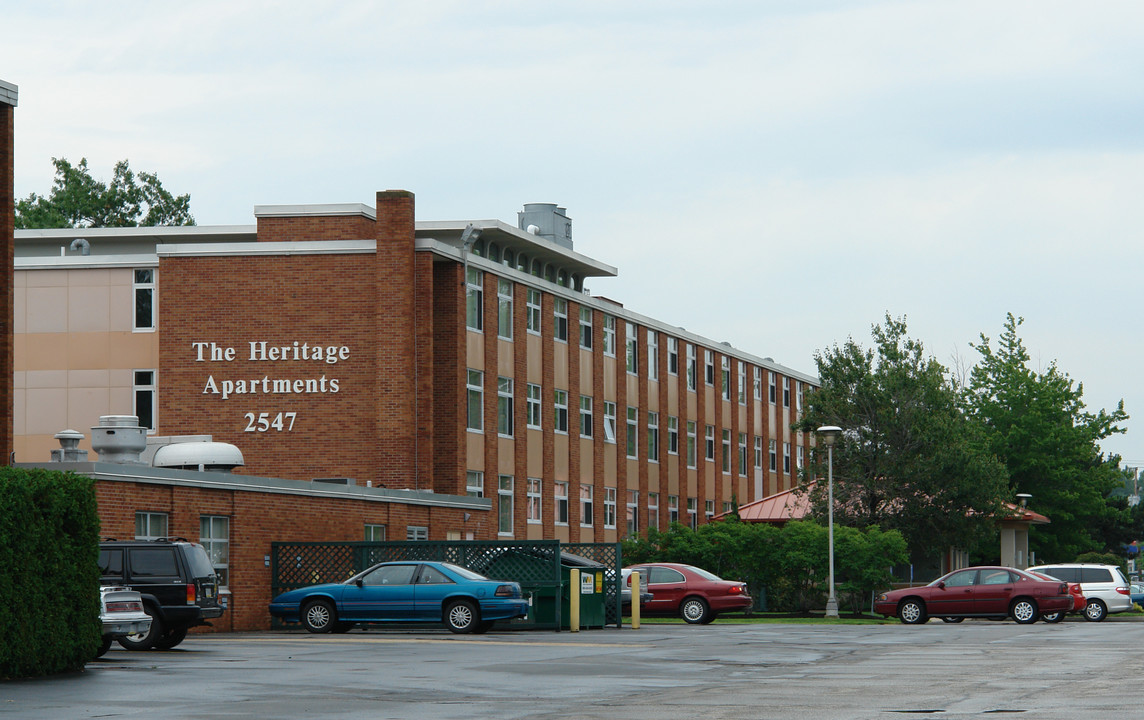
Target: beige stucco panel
[
  {"x": 46, "y": 278},
  {"x": 47, "y": 310},
  {"x": 535, "y": 453},
  {"x": 87, "y": 404},
  {"x": 89, "y": 309},
  {"x": 47, "y": 410},
  {"x": 475, "y": 451}
]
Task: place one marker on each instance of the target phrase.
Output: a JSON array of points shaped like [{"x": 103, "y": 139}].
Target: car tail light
[
  {"x": 191, "y": 593},
  {"x": 506, "y": 591},
  {"x": 735, "y": 590},
  {"x": 125, "y": 606},
  {"x": 1064, "y": 589},
  {"x": 1123, "y": 591}
]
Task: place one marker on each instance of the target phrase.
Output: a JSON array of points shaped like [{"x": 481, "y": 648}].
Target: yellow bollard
[
  {"x": 574, "y": 600},
  {"x": 634, "y": 578}
]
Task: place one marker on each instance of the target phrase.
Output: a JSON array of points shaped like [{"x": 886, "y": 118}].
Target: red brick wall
[
  {"x": 7, "y": 246},
  {"x": 283, "y": 229}
]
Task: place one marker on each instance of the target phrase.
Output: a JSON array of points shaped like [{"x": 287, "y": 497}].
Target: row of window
[
  {"x": 533, "y": 315},
  {"x": 505, "y": 425},
  {"x": 475, "y": 487}
]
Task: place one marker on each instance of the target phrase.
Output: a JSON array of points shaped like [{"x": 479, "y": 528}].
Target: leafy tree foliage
[
  {"x": 1037, "y": 424},
  {"x": 908, "y": 459},
  {"x": 78, "y": 200}
]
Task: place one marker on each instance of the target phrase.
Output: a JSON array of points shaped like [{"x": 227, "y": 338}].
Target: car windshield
[
  {"x": 199, "y": 561},
  {"x": 703, "y": 573}
]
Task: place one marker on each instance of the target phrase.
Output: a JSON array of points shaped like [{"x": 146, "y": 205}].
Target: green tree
[
  {"x": 77, "y": 200},
  {"x": 1037, "y": 424},
  {"x": 908, "y": 459},
  {"x": 864, "y": 563}
]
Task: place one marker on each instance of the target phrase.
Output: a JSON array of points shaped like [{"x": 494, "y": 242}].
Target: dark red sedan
[
  {"x": 690, "y": 592},
  {"x": 991, "y": 592}
]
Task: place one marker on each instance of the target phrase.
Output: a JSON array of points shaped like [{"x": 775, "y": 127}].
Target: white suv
[{"x": 1104, "y": 587}]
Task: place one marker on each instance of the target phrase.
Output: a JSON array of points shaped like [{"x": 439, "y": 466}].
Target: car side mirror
[
  {"x": 358, "y": 582},
  {"x": 941, "y": 585}
]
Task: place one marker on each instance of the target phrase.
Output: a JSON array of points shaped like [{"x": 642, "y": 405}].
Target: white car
[
  {"x": 1104, "y": 586},
  {"x": 121, "y": 611}
]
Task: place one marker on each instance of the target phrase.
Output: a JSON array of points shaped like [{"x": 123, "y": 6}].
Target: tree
[
  {"x": 1037, "y": 424},
  {"x": 79, "y": 201},
  {"x": 907, "y": 459}
]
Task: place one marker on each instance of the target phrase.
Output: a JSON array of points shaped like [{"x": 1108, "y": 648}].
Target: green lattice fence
[{"x": 535, "y": 565}]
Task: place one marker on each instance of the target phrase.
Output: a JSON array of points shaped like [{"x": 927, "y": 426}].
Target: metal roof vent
[
  {"x": 119, "y": 439},
  {"x": 69, "y": 447},
  {"x": 200, "y": 456},
  {"x": 550, "y": 221}
]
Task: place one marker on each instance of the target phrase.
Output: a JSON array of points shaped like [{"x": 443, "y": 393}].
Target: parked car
[
  {"x": 1104, "y": 586},
  {"x": 176, "y": 581},
  {"x": 690, "y": 592},
  {"x": 990, "y": 591},
  {"x": 1136, "y": 593},
  {"x": 1079, "y": 601},
  {"x": 626, "y": 589},
  {"x": 407, "y": 592},
  {"x": 121, "y": 612}
]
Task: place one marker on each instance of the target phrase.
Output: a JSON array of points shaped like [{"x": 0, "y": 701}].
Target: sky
[{"x": 776, "y": 174}]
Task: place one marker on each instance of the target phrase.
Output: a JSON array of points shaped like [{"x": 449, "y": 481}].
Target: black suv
[{"x": 175, "y": 579}]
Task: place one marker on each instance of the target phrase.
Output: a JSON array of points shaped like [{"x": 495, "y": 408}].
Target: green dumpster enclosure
[{"x": 543, "y": 612}]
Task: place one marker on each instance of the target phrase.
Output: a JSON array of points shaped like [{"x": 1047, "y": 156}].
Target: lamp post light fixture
[{"x": 829, "y": 434}]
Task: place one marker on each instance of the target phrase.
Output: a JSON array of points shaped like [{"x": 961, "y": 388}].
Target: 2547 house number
[{"x": 265, "y": 422}]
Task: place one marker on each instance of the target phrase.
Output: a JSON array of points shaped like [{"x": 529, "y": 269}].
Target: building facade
[{"x": 460, "y": 359}]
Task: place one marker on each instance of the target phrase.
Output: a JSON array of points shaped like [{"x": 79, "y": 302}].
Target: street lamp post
[{"x": 830, "y": 433}]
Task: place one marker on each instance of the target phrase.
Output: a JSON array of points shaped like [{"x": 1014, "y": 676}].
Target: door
[
  {"x": 385, "y": 593},
  {"x": 430, "y": 591},
  {"x": 956, "y": 597},
  {"x": 667, "y": 587},
  {"x": 994, "y": 590}
]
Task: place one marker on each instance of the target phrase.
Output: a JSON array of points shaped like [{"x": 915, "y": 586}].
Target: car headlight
[{"x": 881, "y": 598}]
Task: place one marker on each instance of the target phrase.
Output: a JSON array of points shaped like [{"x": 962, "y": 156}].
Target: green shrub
[{"x": 49, "y": 574}]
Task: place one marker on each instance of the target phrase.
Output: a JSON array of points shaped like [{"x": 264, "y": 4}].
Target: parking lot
[{"x": 1073, "y": 670}]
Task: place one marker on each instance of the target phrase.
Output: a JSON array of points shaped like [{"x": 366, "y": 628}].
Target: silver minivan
[{"x": 1104, "y": 586}]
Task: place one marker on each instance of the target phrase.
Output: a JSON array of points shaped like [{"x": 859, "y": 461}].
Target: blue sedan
[{"x": 465, "y": 601}]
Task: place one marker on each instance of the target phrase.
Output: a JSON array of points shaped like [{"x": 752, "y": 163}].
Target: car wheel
[
  {"x": 104, "y": 646},
  {"x": 145, "y": 641},
  {"x": 1025, "y": 611},
  {"x": 318, "y": 616},
  {"x": 912, "y": 612},
  {"x": 1095, "y": 611},
  {"x": 170, "y": 639},
  {"x": 694, "y": 611},
  {"x": 1053, "y": 617},
  {"x": 462, "y": 617},
  {"x": 952, "y": 619}
]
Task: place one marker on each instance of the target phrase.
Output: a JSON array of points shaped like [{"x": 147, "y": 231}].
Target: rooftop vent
[
  {"x": 69, "y": 447},
  {"x": 119, "y": 439},
  {"x": 203, "y": 456},
  {"x": 548, "y": 221}
]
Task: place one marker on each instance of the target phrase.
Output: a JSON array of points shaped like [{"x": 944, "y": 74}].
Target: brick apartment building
[{"x": 456, "y": 378}]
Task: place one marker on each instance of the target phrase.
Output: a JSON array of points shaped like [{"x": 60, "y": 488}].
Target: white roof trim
[{"x": 301, "y": 247}]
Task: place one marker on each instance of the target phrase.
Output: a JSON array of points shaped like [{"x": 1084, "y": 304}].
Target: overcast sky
[{"x": 779, "y": 175}]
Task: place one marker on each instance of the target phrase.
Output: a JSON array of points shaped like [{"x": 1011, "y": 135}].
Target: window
[
  {"x": 476, "y": 400},
  {"x": 632, "y": 352},
  {"x": 633, "y": 428},
  {"x": 609, "y": 336},
  {"x": 374, "y": 533},
  {"x": 560, "y": 493},
  {"x": 150, "y": 525},
  {"x": 653, "y": 436},
  {"x": 145, "y": 299},
  {"x": 758, "y": 383},
  {"x": 609, "y": 507},
  {"x": 586, "y": 505},
  {"x": 475, "y": 484},
  {"x": 609, "y": 421},
  {"x": 504, "y": 505},
  {"x": 560, "y": 320},
  {"x": 145, "y": 398},
  {"x": 474, "y": 300},
  {"x": 742, "y": 454},
  {"x": 672, "y": 356},
  {"x": 709, "y": 509},
  {"x": 692, "y": 517},
  {"x": 533, "y": 399},
  {"x": 710, "y": 442},
  {"x": 504, "y": 309},
  {"x": 416, "y": 533},
  {"x": 798, "y": 395},
  {"x": 690, "y": 366},
  {"x": 758, "y": 452},
  {"x": 742, "y": 384},
  {"x": 214, "y": 536},
  {"x": 786, "y": 458},
  {"x": 585, "y": 416},
  {"x": 534, "y": 500},
  {"x": 773, "y": 455},
  {"x": 691, "y": 443},
  {"x": 504, "y": 406},
  {"x": 786, "y": 392},
  {"x": 586, "y": 328},
  {"x": 653, "y": 510},
  {"x": 725, "y": 377},
  {"x": 799, "y": 458},
  {"x": 672, "y": 435},
  {"x": 633, "y": 515},
  {"x": 771, "y": 375},
  {"x": 709, "y": 364},
  {"x": 726, "y": 451},
  {"x": 532, "y": 311},
  {"x": 672, "y": 508},
  {"x": 652, "y": 355},
  {"x": 561, "y": 402}
]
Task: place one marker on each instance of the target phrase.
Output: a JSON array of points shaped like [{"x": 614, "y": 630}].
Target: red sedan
[
  {"x": 690, "y": 592},
  {"x": 992, "y": 592},
  {"x": 1079, "y": 600}
]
